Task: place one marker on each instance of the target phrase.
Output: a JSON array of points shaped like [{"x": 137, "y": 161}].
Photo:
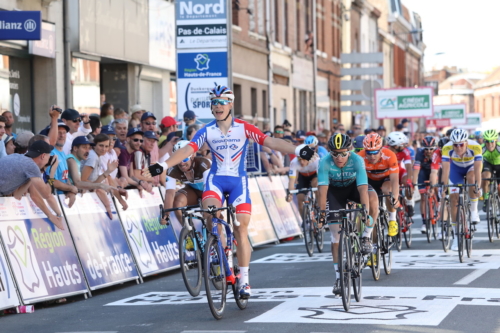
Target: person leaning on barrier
[{"x": 22, "y": 174}]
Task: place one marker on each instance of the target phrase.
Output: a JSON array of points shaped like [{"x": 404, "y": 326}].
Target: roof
[
  {"x": 461, "y": 81},
  {"x": 490, "y": 80}
]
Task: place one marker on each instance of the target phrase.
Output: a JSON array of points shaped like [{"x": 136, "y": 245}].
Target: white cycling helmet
[
  {"x": 459, "y": 135},
  {"x": 222, "y": 91},
  {"x": 396, "y": 139}
]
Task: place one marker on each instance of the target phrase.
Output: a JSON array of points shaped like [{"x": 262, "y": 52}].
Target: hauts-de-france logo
[
  {"x": 202, "y": 61},
  {"x": 388, "y": 103}
]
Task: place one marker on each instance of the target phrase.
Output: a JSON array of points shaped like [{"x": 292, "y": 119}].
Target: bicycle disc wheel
[
  {"x": 308, "y": 229},
  {"x": 215, "y": 277},
  {"x": 318, "y": 236},
  {"x": 387, "y": 256},
  {"x": 460, "y": 232},
  {"x": 190, "y": 260},
  {"x": 240, "y": 302},
  {"x": 357, "y": 268},
  {"x": 345, "y": 266},
  {"x": 375, "y": 256}
]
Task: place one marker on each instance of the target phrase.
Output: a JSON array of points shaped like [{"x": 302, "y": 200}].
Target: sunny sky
[{"x": 466, "y": 31}]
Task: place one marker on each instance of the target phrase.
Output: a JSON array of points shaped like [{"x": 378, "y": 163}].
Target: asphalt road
[{"x": 427, "y": 291}]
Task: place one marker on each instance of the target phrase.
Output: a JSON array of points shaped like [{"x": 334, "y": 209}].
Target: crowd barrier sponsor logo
[
  {"x": 100, "y": 242},
  {"x": 260, "y": 229},
  {"x": 8, "y": 295},
  {"x": 154, "y": 245},
  {"x": 294, "y": 202}
]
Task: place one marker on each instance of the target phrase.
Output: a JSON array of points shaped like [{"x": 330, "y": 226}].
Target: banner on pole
[
  {"x": 260, "y": 229},
  {"x": 454, "y": 112},
  {"x": 404, "y": 103}
]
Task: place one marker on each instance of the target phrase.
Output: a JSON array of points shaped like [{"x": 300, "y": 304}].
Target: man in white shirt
[{"x": 79, "y": 125}]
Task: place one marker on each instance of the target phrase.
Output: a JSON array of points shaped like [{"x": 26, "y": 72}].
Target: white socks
[
  {"x": 367, "y": 232},
  {"x": 337, "y": 273},
  {"x": 244, "y": 275},
  {"x": 392, "y": 216},
  {"x": 473, "y": 205}
]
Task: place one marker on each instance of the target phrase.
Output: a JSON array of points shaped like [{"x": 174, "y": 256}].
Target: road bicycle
[
  {"x": 431, "y": 211},
  {"x": 492, "y": 208},
  {"x": 405, "y": 222},
  {"x": 351, "y": 260},
  {"x": 191, "y": 247},
  {"x": 310, "y": 227}
]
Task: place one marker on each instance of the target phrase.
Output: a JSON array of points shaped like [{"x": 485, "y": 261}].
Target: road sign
[
  {"x": 455, "y": 112},
  {"x": 20, "y": 25},
  {"x": 437, "y": 122},
  {"x": 404, "y": 103},
  {"x": 474, "y": 121}
]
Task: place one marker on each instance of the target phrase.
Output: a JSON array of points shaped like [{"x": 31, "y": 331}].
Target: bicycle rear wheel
[
  {"x": 497, "y": 220},
  {"x": 190, "y": 260},
  {"x": 375, "y": 256},
  {"x": 215, "y": 277},
  {"x": 308, "y": 229},
  {"x": 357, "y": 267},
  {"x": 460, "y": 232},
  {"x": 240, "y": 302},
  {"x": 345, "y": 267}
]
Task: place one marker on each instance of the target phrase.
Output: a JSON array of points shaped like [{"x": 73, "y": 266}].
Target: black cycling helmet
[
  {"x": 339, "y": 141},
  {"x": 429, "y": 141},
  {"x": 443, "y": 141},
  {"x": 358, "y": 142}
]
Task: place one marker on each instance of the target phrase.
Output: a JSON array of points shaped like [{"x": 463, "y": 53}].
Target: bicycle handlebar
[
  {"x": 312, "y": 189},
  {"x": 212, "y": 210},
  {"x": 179, "y": 208},
  {"x": 491, "y": 179}
]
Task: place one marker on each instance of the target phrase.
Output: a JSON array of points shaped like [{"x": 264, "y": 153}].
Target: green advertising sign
[
  {"x": 453, "y": 113},
  {"x": 474, "y": 121},
  {"x": 413, "y": 102}
]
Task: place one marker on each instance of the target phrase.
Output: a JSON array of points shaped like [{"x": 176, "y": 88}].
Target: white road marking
[{"x": 471, "y": 277}]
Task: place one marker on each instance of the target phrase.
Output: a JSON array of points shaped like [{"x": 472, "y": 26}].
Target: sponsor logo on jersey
[{"x": 233, "y": 146}]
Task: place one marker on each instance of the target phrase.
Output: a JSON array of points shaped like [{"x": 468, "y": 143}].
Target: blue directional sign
[{"x": 20, "y": 25}]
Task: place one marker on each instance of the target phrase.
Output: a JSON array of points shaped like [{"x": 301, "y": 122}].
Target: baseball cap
[
  {"x": 311, "y": 133},
  {"x": 70, "y": 114},
  {"x": 24, "y": 138},
  {"x": 381, "y": 128},
  {"x": 169, "y": 121},
  {"x": 150, "y": 135},
  {"x": 404, "y": 121},
  {"x": 170, "y": 136},
  {"x": 321, "y": 135},
  {"x": 300, "y": 133},
  {"x": 136, "y": 108},
  {"x": 108, "y": 129},
  {"x": 38, "y": 148},
  {"x": 60, "y": 123},
  {"x": 81, "y": 140},
  {"x": 134, "y": 130},
  {"x": 288, "y": 138},
  {"x": 147, "y": 115},
  {"x": 189, "y": 115}
]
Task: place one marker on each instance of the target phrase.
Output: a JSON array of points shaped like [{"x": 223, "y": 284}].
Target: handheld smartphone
[
  {"x": 178, "y": 133},
  {"x": 155, "y": 169},
  {"x": 51, "y": 161}
]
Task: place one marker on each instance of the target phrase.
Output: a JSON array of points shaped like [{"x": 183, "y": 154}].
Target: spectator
[
  {"x": 350, "y": 133},
  {"x": 22, "y": 142},
  {"x": 340, "y": 128},
  {"x": 119, "y": 113},
  {"x": 9, "y": 123},
  {"x": 381, "y": 131},
  {"x": 135, "y": 119},
  {"x": 142, "y": 158},
  {"x": 279, "y": 132},
  {"x": 356, "y": 129},
  {"x": 168, "y": 145},
  {"x": 95, "y": 126},
  {"x": 148, "y": 121},
  {"x": 167, "y": 126},
  {"x": 322, "y": 138},
  {"x": 120, "y": 126},
  {"x": 399, "y": 128},
  {"x": 10, "y": 146},
  {"x": 300, "y": 136},
  {"x": 107, "y": 111},
  {"x": 189, "y": 119},
  {"x": 3, "y": 152},
  {"x": 25, "y": 176},
  {"x": 191, "y": 131},
  {"x": 134, "y": 142},
  {"x": 287, "y": 132},
  {"x": 73, "y": 119}
]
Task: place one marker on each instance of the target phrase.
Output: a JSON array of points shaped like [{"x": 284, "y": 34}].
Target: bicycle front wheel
[
  {"x": 469, "y": 232},
  {"x": 460, "y": 232},
  {"x": 497, "y": 207},
  {"x": 401, "y": 217},
  {"x": 308, "y": 229},
  {"x": 427, "y": 220},
  {"x": 375, "y": 256},
  {"x": 345, "y": 267},
  {"x": 190, "y": 260},
  {"x": 490, "y": 218},
  {"x": 445, "y": 224},
  {"x": 215, "y": 277},
  {"x": 387, "y": 250},
  {"x": 318, "y": 236},
  {"x": 357, "y": 267}
]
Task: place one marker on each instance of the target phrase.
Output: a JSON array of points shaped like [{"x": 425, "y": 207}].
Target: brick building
[
  {"x": 457, "y": 89},
  {"x": 487, "y": 96}
]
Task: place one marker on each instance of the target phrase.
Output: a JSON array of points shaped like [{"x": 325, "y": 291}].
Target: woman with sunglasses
[
  {"x": 228, "y": 139},
  {"x": 462, "y": 157},
  {"x": 491, "y": 161}
]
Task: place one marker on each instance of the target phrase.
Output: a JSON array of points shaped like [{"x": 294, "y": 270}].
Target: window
[
  {"x": 238, "y": 111},
  {"x": 236, "y": 12},
  {"x": 253, "y": 96},
  {"x": 276, "y": 21},
  {"x": 285, "y": 24},
  {"x": 265, "y": 108},
  {"x": 251, "y": 5}
]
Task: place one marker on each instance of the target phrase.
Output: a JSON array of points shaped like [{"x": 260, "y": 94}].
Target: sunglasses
[
  {"x": 430, "y": 149},
  {"x": 220, "y": 102},
  {"x": 339, "y": 154},
  {"x": 114, "y": 139},
  {"x": 279, "y": 132},
  {"x": 489, "y": 141},
  {"x": 372, "y": 152},
  {"x": 149, "y": 124},
  {"x": 77, "y": 120},
  {"x": 459, "y": 144},
  {"x": 188, "y": 119},
  {"x": 186, "y": 159},
  {"x": 138, "y": 140}
]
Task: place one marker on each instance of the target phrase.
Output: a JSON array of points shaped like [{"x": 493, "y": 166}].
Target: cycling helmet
[
  {"x": 358, "y": 142},
  {"x": 372, "y": 141},
  {"x": 311, "y": 141},
  {"x": 396, "y": 139},
  {"x": 478, "y": 134},
  {"x": 490, "y": 135},
  {"x": 459, "y": 135},
  {"x": 180, "y": 144},
  {"x": 339, "y": 141},
  {"x": 443, "y": 141},
  {"x": 429, "y": 141},
  {"x": 448, "y": 132},
  {"x": 222, "y": 91}
]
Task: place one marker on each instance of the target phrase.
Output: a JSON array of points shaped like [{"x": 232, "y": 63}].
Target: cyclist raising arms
[
  {"x": 462, "y": 158},
  {"x": 227, "y": 139},
  {"x": 342, "y": 178},
  {"x": 383, "y": 174},
  {"x": 422, "y": 169},
  {"x": 491, "y": 161}
]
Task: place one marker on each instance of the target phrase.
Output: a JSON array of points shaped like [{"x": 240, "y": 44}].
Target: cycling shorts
[
  {"x": 487, "y": 166},
  {"x": 377, "y": 184},
  {"x": 192, "y": 194},
  {"x": 235, "y": 187},
  {"x": 423, "y": 175},
  {"x": 457, "y": 173},
  {"x": 305, "y": 181},
  {"x": 337, "y": 198}
]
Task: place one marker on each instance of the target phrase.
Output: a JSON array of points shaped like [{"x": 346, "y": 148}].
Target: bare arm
[
  {"x": 394, "y": 178},
  {"x": 53, "y": 126},
  {"x": 75, "y": 176},
  {"x": 445, "y": 176},
  {"x": 363, "y": 196},
  {"x": 178, "y": 156},
  {"x": 279, "y": 145},
  {"x": 478, "y": 167},
  {"x": 169, "y": 199},
  {"x": 322, "y": 191}
]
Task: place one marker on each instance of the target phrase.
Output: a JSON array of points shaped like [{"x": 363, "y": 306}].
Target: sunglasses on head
[
  {"x": 77, "y": 120},
  {"x": 339, "y": 154},
  {"x": 220, "y": 101},
  {"x": 461, "y": 144},
  {"x": 372, "y": 152},
  {"x": 138, "y": 140}
]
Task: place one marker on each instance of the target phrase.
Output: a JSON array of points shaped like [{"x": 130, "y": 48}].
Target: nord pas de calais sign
[{"x": 20, "y": 25}]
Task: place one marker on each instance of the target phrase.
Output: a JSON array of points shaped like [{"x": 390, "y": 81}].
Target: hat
[
  {"x": 38, "y": 148},
  {"x": 350, "y": 132},
  {"x": 70, "y": 114},
  {"x": 404, "y": 121},
  {"x": 170, "y": 136},
  {"x": 134, "y": 130},
  {"x": 60, "y": 123},
  {"x": 311, "y": 133},
  {"x": 108, "y": 129},
  {"x": 150, "y": 135},
  {"x": 381, "y": 128},
  {"x": 7, "y": 138},
  {"x": 136, "y": 108},
  {"x": 147, "y": 115},
  {"x": 169, "y": 121},
  {"x": 399, "y": 126},
  {"x": 300, "y": 133},
  {"x": 189, "y": 115},
  {"x": 24, "y": 138},
  {"x": 81, "y": 140}
]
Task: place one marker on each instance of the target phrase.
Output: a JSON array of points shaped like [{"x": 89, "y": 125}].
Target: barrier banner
[
  {"x": 42, "y": 257},
  {"x": 8, "y": 294},
  {"x": 154, "y": 245},
  {"x": 260, "y": 229},
  {"x": 100, "y": 242},
  {"x": 280, "y": 211},
  {"x": 294, "y": 203}
]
